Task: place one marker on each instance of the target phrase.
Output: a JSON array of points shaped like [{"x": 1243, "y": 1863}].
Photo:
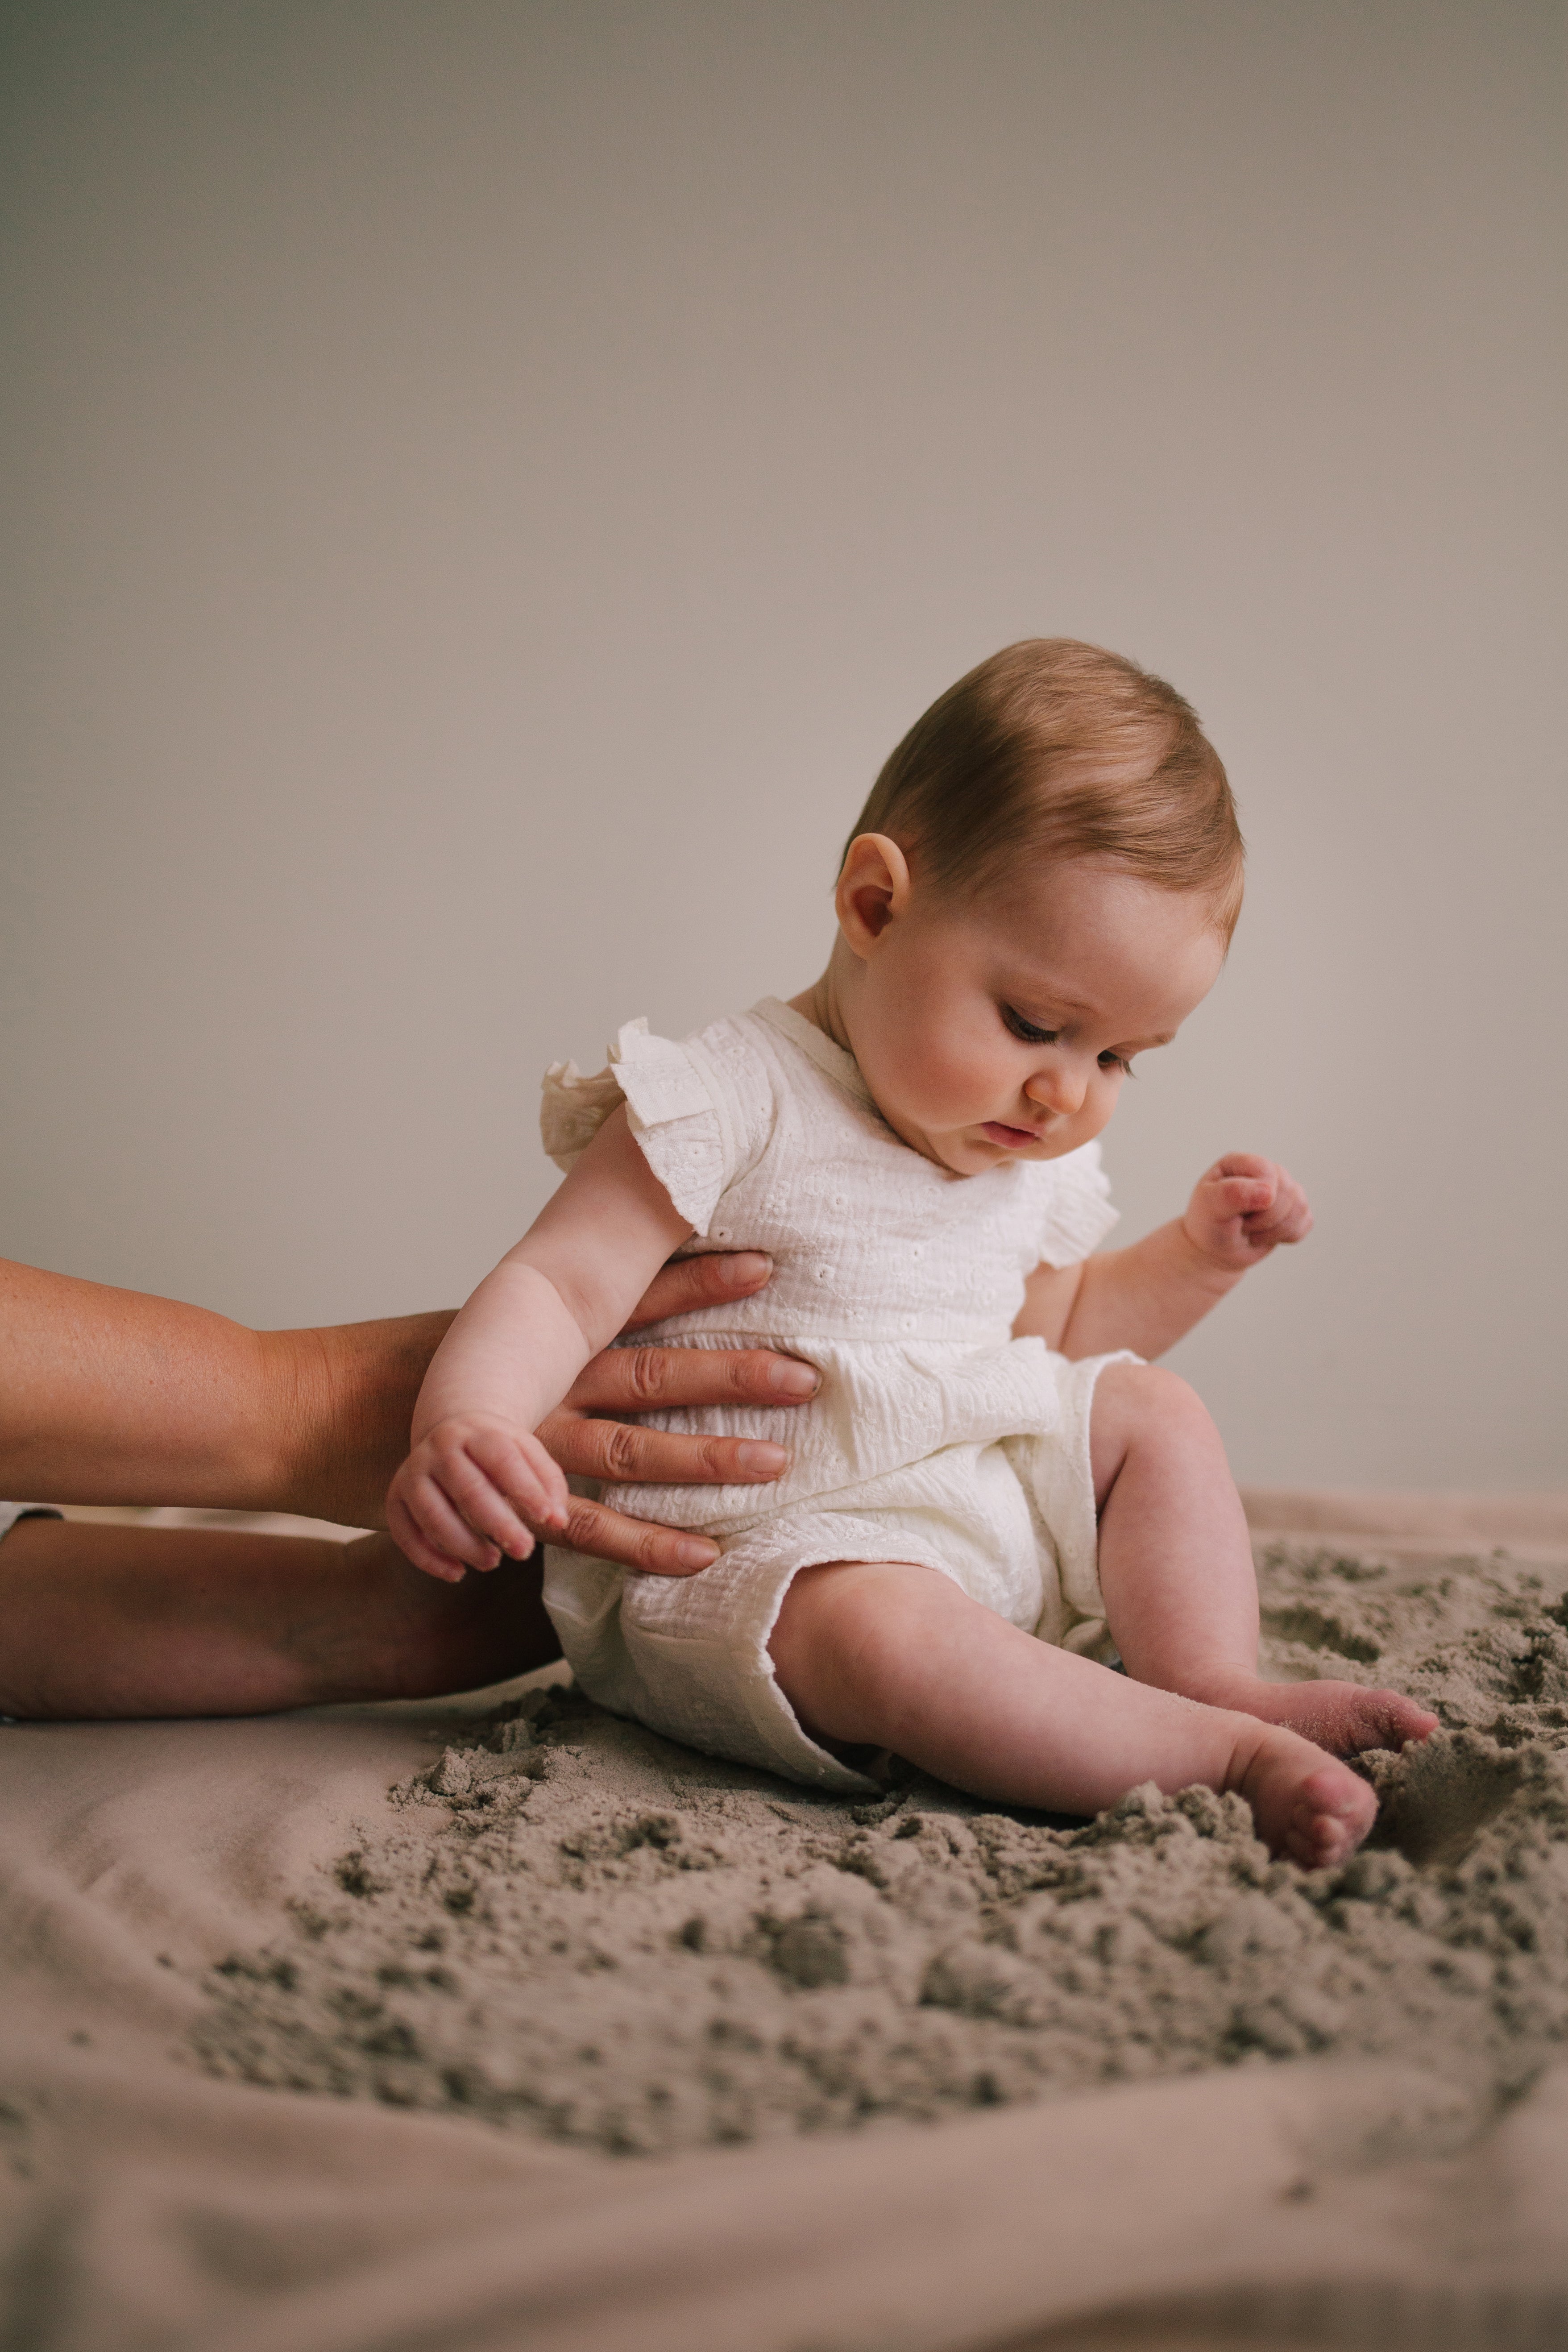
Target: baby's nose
[{"x": 1061, "y": 1088}]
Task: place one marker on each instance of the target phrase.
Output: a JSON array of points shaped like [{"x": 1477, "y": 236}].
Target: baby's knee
[
  {"x": 838, "y": 1594},
  {"x": 850, "y": 1610},
  {"x": 1134, "y": 1403},
  {"x": 849, "y": 1638}
]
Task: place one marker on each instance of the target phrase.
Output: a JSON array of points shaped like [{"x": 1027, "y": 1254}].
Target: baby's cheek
[
  {"x": 968, "y": 1081},
  {"x": 1095, "y": 1117},
  {"x": 935, "y": 1086},
  {"x": 960, "y": 1094}
]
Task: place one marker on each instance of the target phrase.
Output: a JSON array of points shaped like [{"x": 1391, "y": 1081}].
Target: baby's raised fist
[{"x": 1243, "y": 1208}]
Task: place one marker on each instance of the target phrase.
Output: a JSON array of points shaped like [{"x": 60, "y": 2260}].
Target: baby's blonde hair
[{"x": 1057, "y": 748}]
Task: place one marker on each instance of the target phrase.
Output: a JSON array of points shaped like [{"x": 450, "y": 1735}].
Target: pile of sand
[{"x": 567, "y": 1926}]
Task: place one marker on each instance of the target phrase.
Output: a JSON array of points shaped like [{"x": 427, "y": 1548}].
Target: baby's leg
[
  {"x": 1176, "y": 1567},
  {"x": 891, "y": 1656}
]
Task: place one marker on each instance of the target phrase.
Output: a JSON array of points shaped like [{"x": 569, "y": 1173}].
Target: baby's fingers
[
  {"x": 1239, "y": 1196},
  {"x": 475, "y": 1482},
  {"x": 1242, "y": 1164},
  {"x": 443, "y": 1519},
  {"x": 525, "y": 1475},
  {"x": 1287, "y": 1219},
  {"x": 411, "y": 1540}
]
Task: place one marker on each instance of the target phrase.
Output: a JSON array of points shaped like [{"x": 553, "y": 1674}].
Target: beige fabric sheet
[{"x": 146, "y": 2206}]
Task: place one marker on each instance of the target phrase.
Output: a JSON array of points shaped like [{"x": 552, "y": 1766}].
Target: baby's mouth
[{"x": 1012, "y": 1137}]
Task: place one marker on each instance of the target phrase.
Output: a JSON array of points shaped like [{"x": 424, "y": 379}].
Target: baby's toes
[
  {"x": 1347, "y": 1719},
  {"x": 1372, "y": 1719},
  {"x": 1333, "y": 1813},
  {"x": 1398, "y": 1719}
]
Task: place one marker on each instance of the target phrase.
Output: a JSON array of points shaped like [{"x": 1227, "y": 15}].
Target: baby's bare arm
[
  {"x": 1148, "y": 1296},
  {"x": 477, "y": 1482},
  {"x": 1144, "y": 1298}
]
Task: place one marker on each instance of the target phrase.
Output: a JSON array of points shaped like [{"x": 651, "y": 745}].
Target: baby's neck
[{"x": 823, "y": 1003}]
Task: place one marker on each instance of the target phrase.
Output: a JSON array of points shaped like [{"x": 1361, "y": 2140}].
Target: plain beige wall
[{"x": 486, "y": 484}]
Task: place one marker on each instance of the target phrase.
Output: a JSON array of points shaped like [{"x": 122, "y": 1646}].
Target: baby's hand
[
  {"x": 457, "y": 1501},
  {"x": 1243, "y": 1207}
]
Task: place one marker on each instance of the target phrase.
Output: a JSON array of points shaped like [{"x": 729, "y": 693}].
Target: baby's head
[{"x": 1043, "y": 883}]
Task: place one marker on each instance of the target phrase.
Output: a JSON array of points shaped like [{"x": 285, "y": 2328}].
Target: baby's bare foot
[
  {"x": 1304, "y": 1803},
  {"x": 1342, "y": 1718}
]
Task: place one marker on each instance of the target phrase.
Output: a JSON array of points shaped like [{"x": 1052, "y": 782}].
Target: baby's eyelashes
[{"x": 1028, "y": 1031}]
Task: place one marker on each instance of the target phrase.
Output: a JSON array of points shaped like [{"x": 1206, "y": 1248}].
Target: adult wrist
[
  {"x": 301, "y": 1430},
  {"x": 337, "y": 1403}
]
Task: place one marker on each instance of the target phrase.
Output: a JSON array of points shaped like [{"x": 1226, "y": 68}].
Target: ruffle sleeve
[
  {"x": 1077, "y": 1210},
  {"x": 674, "y": 1107}
]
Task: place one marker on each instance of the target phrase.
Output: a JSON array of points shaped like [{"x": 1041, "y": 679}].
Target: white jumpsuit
[{"x": 935, "y": 1437}]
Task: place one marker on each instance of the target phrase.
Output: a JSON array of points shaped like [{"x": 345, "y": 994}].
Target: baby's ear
[{"x": 873, "y": 887}]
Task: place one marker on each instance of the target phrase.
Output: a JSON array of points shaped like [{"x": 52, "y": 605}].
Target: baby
[{"x": 993, "y": 1496}]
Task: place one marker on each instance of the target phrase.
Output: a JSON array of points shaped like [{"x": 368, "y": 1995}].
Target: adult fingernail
[
  {"x": 794, "y": 1380},
  {"x": 760, "y": 1459},
  {"x": 748, "y": 1266},
  {"x": 692, "y": 1554}
]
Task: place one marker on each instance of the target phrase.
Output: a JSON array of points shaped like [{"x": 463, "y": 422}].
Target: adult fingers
[
  {"x": 643, "y": 1380},
  {"x": 687, "y": 1284},
  {"x": 635, "y": 1543},
  {"x": 621, "y": 1450}
]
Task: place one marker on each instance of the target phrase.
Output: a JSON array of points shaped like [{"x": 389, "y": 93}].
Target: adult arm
[
  {"x": 110, "y": 1396},
  {"x": 115, "y": 1621}
]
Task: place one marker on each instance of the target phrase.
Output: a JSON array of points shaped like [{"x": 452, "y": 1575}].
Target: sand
[{"x": 568, "y": 1927}]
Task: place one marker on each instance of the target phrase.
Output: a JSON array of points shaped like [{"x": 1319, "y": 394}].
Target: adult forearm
[
  {"x": 107, "y": 1396},
  {"x": 110, "y": 1397},
  {"x": 1145, "y": 1297},
  {"x": 341, "y": 1401},
  {"x": 112, "y": 1620}
]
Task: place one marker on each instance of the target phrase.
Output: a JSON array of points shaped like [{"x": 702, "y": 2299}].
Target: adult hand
[
  {"x": 110, "y": 1396},
  {"x": 587, "y": 1444}
]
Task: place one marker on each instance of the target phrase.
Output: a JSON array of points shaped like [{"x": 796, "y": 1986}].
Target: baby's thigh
[
  {"x": 864, "y": 1650},
  {"x": 695, "y": 1657},
  {"x": 840, "y": 1609}
]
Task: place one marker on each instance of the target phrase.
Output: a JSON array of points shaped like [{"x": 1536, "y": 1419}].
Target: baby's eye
[
  {"x": 1121, "y": 1062},
  {"x": 1027, "y": 1029}
]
